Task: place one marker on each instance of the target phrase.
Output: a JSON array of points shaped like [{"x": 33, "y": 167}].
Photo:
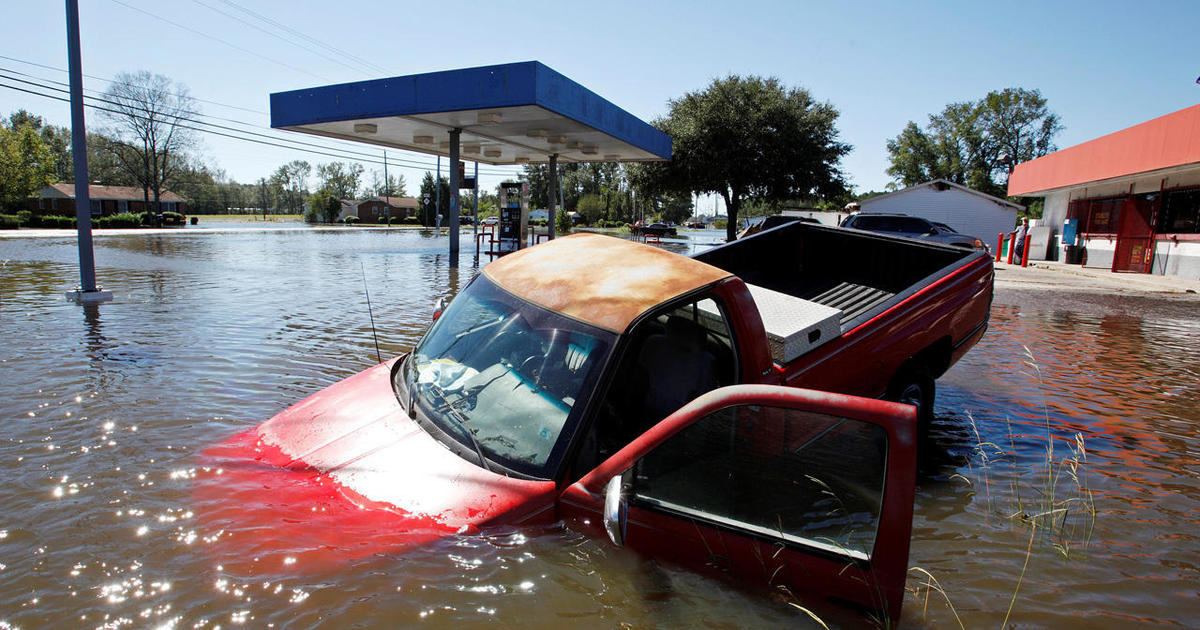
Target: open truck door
[{"x": 805, "y": 492}]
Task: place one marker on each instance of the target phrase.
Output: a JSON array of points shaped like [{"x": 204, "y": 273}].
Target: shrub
[
  {"x": 122, "y": 220},
  {"x": 58, "y": 222},
  {"x": 173, "y": 218},
  {"x": 350, "y": 220},
  {"x": 9, "y": 222},
  {"x": 24, "y": 216},
  {"x": 410, "y": 221}
]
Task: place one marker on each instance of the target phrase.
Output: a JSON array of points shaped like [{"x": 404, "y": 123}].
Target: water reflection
[{"x": 106, "y": 407}]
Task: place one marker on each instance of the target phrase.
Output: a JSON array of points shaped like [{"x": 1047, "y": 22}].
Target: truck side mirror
[
  {"x": 615, "y": 509},
  {"x": 438, "y": 308}
]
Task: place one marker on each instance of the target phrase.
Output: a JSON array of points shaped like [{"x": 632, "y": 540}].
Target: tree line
[{"x": 753, "y": 141}]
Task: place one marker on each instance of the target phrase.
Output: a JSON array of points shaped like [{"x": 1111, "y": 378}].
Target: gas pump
[{"x": 514, "y": 216}]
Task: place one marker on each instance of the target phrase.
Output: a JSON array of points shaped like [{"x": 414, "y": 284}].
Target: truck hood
[{"x": 344, "y": 474}]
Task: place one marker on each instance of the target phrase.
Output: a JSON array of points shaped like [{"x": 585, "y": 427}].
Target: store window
[{"x": 1180, "y": 212}]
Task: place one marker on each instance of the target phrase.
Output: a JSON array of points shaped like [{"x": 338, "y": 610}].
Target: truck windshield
[{"x": 504, "y": 378}]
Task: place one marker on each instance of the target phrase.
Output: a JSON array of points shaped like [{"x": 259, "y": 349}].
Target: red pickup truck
[{"x": 670, "y": 401}]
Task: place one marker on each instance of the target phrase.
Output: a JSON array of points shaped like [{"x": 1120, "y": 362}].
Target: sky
[{"x": 1101, "y": 65}]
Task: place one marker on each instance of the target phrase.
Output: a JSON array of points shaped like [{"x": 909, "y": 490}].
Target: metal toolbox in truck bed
[{"x": 794, "y": 326}]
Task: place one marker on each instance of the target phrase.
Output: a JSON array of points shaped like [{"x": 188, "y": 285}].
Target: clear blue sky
[{"x": 1102, "y": 65}]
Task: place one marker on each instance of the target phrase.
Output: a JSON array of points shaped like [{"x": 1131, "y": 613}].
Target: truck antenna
[{"x": 363, "y": 267}]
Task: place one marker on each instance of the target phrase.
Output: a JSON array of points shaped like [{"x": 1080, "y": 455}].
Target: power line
[
  {"x": 219, "y": 40},
  {"x": 281, "y": 137},
  {"x": 352, "y": 154},
  {"x": 368, "y": 159},
  {"x": 277, "y": 36},
  {"x": 92, "y": 76},
  {"x": 301, "y": 35}
]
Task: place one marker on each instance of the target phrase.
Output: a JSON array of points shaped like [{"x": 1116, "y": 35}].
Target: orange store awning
[{"x": 1162, "y": 143}]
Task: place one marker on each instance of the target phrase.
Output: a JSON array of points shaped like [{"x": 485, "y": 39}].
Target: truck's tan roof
[{"x": 599, "y": 279}]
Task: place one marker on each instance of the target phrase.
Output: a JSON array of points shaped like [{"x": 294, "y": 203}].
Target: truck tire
[{"x": 913, "y": 385}]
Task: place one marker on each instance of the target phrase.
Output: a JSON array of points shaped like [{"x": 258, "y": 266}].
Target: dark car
[
  {"x": 656, "y": 229},
  {"x": 912, "y": 227},
  {"x": 758, "y": 225}
]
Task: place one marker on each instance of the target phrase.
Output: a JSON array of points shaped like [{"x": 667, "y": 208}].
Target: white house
[{"x": 967, "y": 211}]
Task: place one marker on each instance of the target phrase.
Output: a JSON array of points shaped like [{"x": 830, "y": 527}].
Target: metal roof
[{"x": 509, "y": 114}]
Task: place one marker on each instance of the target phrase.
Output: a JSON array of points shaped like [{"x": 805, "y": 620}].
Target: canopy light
[
  {"x": 472, "y": 149},
  {"x": 536, "y": 133},
  {"x": 521, "y": 159},
  {"x": 490, "y": 118},
  {"x": 556, "y": 139},
  {"x": 612, "y": 157},
  {"x": 444, "y": 145},
  {"x": 590, "y": 149},
  {"x": 575, "y": 144},
  {"x": 492, "y": 153},
  {"x": 422, "y": 139},
  {"x": 365, "y": 128}
]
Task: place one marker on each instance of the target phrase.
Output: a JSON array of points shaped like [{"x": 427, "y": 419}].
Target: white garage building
[{"x": 967, "y": 211}]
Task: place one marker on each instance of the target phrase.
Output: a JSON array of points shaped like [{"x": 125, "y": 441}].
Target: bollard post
[
  {"x": 1025, "y": 251},
  {"x": 1012, "y": 247},
  {"x": 999, "y": 246}
]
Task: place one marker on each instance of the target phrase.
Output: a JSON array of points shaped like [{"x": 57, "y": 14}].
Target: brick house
[
  {"x": 59, "y": 199},
  {"x": 375, "y": 208}
]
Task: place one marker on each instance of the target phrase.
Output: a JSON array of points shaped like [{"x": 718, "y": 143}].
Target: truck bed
[{"x": 860, "y": 273}]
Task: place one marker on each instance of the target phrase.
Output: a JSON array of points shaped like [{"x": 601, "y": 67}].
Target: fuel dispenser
[{"x": 514, "y": 216}]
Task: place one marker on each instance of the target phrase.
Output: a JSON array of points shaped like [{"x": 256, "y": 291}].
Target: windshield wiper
[{"x": 461, "y": 422}]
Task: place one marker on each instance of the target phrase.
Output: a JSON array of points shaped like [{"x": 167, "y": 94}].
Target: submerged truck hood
[{"x": 346, "y": 473}]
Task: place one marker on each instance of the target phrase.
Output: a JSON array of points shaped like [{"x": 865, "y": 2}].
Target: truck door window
[
  {"x": 671, "y": 358},
  {"x": 810, "y": 479}
]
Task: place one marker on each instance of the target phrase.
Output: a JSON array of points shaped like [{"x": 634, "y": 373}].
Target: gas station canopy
[{"x": 515, "y": 113}]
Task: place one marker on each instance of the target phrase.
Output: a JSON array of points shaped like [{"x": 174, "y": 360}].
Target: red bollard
[
  {"x": 1012, "y": 247},
  {"x": 1025, "y": 251},
  {"x": 999, "y": 246}
]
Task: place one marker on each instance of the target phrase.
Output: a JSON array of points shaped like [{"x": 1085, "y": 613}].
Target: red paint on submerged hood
[{"x": 344, "y": 474}]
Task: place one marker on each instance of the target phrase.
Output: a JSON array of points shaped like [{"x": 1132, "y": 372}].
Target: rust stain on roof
[{"x": 599, "y": 279}]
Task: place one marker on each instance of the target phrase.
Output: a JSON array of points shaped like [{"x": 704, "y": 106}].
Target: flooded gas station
[{"x": 1060, "y": 465}]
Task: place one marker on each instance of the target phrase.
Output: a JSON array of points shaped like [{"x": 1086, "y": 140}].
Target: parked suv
[{"x": 912, "y": 227}]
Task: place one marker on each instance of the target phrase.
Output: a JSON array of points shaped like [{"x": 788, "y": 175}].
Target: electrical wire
[
  {"x": 279, "y": 37},
  {"x": 318, "y": 42},
  {"x": 369, "y": 160},
  {"x": 280, "y": 137},
  {"x": 114, "y": 81},
  {"x": 219, "y": 40}
]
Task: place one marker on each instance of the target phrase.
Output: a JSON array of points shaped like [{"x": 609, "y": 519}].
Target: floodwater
[{"x": 105, "y": 409}]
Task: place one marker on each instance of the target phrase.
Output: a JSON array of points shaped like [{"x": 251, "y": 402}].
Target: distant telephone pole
[{"x": 262, "y": 182}]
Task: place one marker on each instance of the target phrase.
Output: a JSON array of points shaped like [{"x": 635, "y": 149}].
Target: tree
[
  {"x": 26, "y": 164},
  {"x": 976, "y": 143},
  {"x": 291, "y": 184},
  {"x": 326, "y": 204},
  {"x": 57, "y": 139},
  {"x": 590, "y": 207},
  {"x": 147, "y": 113},
  {"x": 428, "y": 213},
  {"x": 340, "y": 178},
  {"x": 394, "y": 186},
  {"x": 197, "y": 184},
  {"x": 747, "y": 137}
]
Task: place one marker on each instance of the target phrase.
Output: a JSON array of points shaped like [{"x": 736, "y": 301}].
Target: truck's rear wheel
[{"x": 914, "y": 386}]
